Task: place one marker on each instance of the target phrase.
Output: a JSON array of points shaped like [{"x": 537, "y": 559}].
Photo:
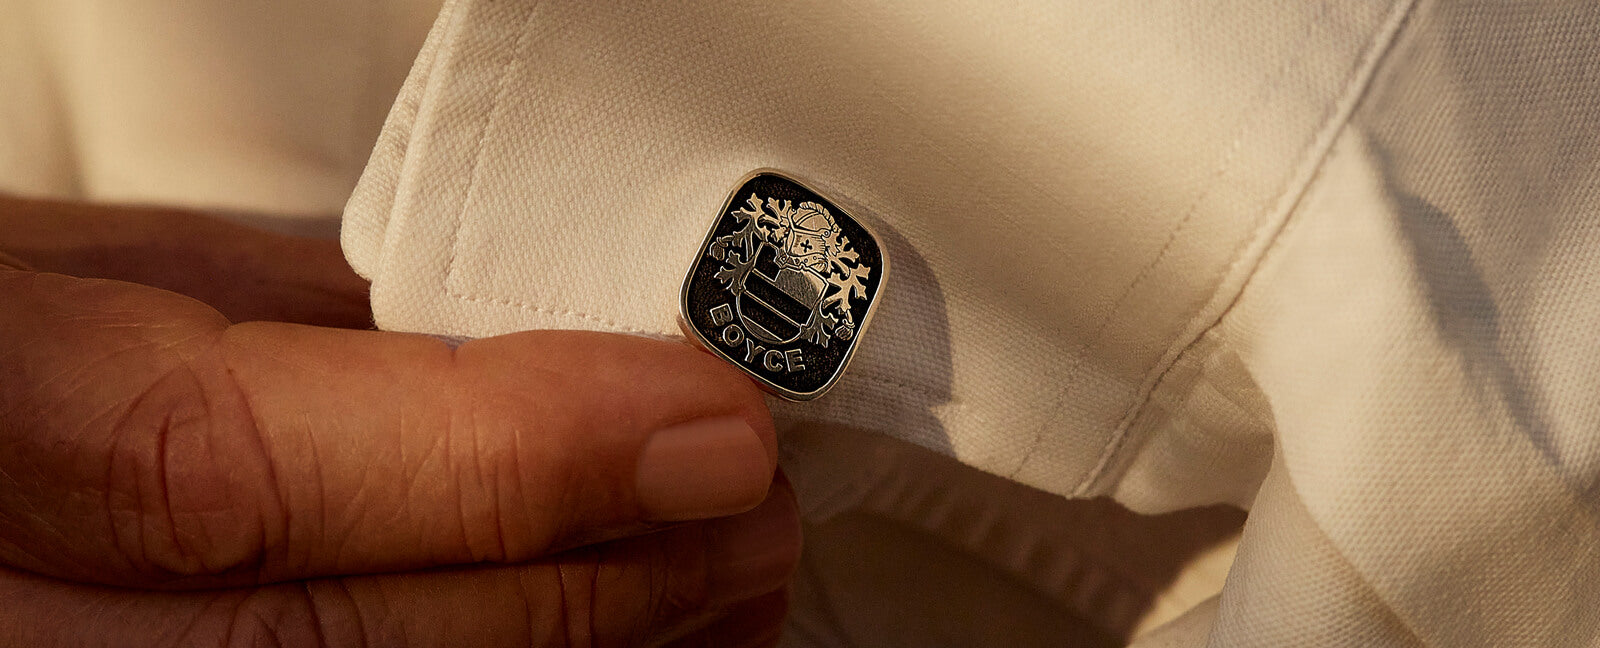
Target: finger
[
  {"x": 634, "y": 592},
  {"x": 246, "y": 273},
  {"x": 148, "y": 443}
]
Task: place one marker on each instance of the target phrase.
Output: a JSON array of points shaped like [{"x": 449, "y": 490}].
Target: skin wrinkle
[
  {"x": 519, "y": 487},
  {"x": 321, "y": 529},
  {"x": 563, "y": 613},
  {"x": 253, "y": 431},
  {"x": 63, "y": 400},
  {"x": 271, "y": 634},
  {"x": 526, "y": 598},
  {"x": 256, "y": 557},
  {"x": 468, "y": 478},
  {"x": 147, "y": 345},
  {"x": 29, "y": 556},
  {"x": 340, "y": 540},
  {"x": 163, "y": 434},
  {"x": 105, "y": 603},
  {"x": 439, "y": 450},
  {"x": 119, "y": 428},
  {"x": 12, "y": 485},
  {"x": 577, "y": 615},
  {"x": 488, "y": 484},
  {"x": 174, "y": 558},
  {"x": 678, "y": 599},
  {"x": 236, "y": 608},
  {"x": 117, "y": 548},
  {"x": 453, "y": 476},
  {"x": 117, "y": 413},
  {"x": 349, "y": 602},
  {"x": 436, "y": 451},
  {"x": 122, "y": 421},
  {"x": 660, "y": 574},
  {"x": 310, "y": 601},
  {"x": 230, "y": 600},
  {"x": 569, "y": 482},
  {"x": 594, "y": 591},
  {"x": 529, "y": 630},
  {"x": 119, "y": 431},
  {"x": 118, "y": 530},
  {"x": 497, "y": 511},
  {"x": 185, "y": 561},
  {"x": 261, "y": 630},
  {"x": 256, "y": 628}
]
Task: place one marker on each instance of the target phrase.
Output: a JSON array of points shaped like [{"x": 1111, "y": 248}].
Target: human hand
[{"x": 168, "y": 477}]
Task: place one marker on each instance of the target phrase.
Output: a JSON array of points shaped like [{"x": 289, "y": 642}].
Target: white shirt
[{"x": 1331, "y": 261}]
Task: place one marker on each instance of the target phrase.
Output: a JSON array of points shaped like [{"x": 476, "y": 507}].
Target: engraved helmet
[{"x": 810, "y": 243}]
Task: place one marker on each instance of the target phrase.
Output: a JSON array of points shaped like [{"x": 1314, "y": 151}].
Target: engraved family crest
[
  {"x": 808, "y": 263},
  {"x": 783, "y": 285}
]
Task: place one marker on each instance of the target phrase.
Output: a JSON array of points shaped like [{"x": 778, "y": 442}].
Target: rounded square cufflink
[{"x": 783, "y": 286}]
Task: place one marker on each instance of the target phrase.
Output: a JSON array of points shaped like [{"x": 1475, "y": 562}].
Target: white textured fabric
[
  {"x": 1062, "y": 192},
  {"x": 1336, "y": 261}
]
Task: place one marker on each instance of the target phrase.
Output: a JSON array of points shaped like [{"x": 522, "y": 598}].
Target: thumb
[{"x": 159, "y": 444}]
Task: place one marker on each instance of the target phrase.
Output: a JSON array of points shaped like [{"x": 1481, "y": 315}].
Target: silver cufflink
[{"x": 783, "y": 286}]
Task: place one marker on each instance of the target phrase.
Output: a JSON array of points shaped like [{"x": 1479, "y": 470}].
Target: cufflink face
[{"x": 783, "y": 286}]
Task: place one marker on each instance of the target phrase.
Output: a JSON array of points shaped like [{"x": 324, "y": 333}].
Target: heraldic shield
[{"x": 783, "y": 286}]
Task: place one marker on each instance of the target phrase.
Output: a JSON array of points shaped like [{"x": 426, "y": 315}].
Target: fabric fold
[{"x": 1327, "y": 260}]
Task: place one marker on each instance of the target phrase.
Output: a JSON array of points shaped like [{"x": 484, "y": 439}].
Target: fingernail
[
  {"x": 754, "y": 553},
  {"x": 702, "y": 469}
]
